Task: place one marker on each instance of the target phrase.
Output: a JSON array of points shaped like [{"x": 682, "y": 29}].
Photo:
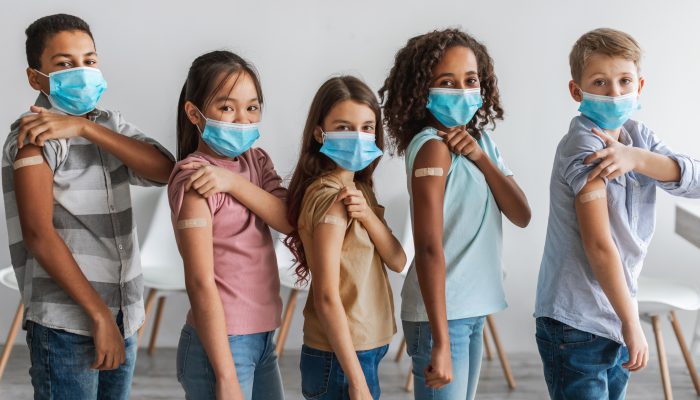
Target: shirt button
[
  {"x": 121, "y": 247},
  {"x": 111, "y": 208}
]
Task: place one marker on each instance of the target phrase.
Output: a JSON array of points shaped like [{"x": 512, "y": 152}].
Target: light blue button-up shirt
[{"x": 567, "y": 289}]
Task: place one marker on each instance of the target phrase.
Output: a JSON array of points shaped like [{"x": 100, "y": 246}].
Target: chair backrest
[
  {"x": 159, "y": 246},
  {"x": 398, "y": 216}
]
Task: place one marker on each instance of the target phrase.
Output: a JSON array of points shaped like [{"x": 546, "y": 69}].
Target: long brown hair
[
  {"x": 405, "y": 91},
  {"x": 313, "y": 164},
  {"x": 208, "y": 73}
]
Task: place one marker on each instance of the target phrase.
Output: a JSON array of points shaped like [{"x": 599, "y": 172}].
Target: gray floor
[{"x": 155, "y": 378}]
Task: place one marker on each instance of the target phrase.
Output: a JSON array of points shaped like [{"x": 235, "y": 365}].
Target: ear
[
  {"x": 641, "y": 85},
  {"x": 575, "y": 91},
  {"x": 318, "y": 134},
  {"x": 33, "y": 77},
  {"x": 192, "y": 114}
]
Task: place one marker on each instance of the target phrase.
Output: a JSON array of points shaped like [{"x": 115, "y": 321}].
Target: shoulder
[
  {"x": 179, "y": 175},
  {"x": 580, "y": 138}
]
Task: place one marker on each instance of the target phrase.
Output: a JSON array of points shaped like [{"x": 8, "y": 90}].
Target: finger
[
  {"x": 631, "y": 361},
  {"x": 29, "y": 125},
  {"x": 99, "y": 359},
  {"x": 595, "y": 156},
  {"x": 609, "y": 170},
  {"x": 37, "y": 109},
  {"x": 109, "y": 360},
  {"x": 206, "y": 187},
  {"x": 192, "y": 165},
  {"x": 34, "y": 133},
  {"x": 462, "y": 137},
  {"x": 28, "y": 119},
  {"x": 197, "y": 179},
  {"x": 595, "y": 172},
  {"x": 607, "y": 139},
  {"x": 209, "y": 193}
]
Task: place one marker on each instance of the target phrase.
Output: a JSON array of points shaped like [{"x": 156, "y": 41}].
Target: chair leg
[
  {"x": 501, "y": 354},
  {"x": 409, "y": 380},
  {"x": 487, "y": 346},
  {"x": 156, "y": 326},
  {"x": 286, "y": 322},
  {"x": 402, "y": 349},
  {"x": 686, "y": 354},
  {"x": 11, "y": 335},
  {"x": 663, "y": 362},
  {"x": 148, "y": 305}
]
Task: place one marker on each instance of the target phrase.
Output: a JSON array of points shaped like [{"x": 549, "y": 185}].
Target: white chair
[
  {"x": 8, "y": 279},
  {"x": 163, "y": 271},
  {"x": 288, "y": 279},
  {"x": 659, "y": 297},
  {"x": 489, "y": 326}
]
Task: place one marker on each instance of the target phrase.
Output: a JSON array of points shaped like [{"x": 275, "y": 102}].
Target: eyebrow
[
  {"x": 450, "y": 74},
  {"x": 66, "y": 55},
  {"x": 227, "y": 98},
  {"x": 342, "y": 121}
]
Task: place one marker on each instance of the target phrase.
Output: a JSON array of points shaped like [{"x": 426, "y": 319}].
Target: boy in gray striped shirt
[{"x": 66, "y": 170}]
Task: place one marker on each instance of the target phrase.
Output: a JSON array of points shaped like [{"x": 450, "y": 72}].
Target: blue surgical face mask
[
  {"x": 352, "y": 151},
  {"x": 227, "y": 138},
  {"x": 454, "y": 107},
  {"x": 75, "y": 91},
  {"x": 609, "y": 112}
]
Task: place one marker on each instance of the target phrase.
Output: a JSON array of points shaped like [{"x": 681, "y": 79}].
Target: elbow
[
  {"x": 325, "y": 301},
  {"x": 199, "y": 285},
  {"x": 397, "y": 262},
  {"x": 523, "y": 220},
  {"x": 37, "y": 239},
  {"x": 429, "y": 254},
  {"x": 600, "y": 252}
]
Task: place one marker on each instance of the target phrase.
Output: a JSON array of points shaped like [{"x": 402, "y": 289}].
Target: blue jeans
[
  {"x": 60, "y": 366},
  {"x": 580, "y": 365},
  {"x": 322, "y": 378},
  {"x": 256, "y": 366},
  {"x": 466, "y": 349}
]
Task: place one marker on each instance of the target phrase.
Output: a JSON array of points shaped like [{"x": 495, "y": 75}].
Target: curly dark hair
[{"x": 405, "y": 91}]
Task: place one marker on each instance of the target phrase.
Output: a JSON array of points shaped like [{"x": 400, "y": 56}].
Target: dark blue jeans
[
  {"x": 580, "y": 365},
  {"x": 61, "y": 366},
  {"x": 323, "y": 379}
]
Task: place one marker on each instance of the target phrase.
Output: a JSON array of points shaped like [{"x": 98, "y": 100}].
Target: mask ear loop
[
  {"x": 205, "y": 120},
  {"x": 323, "y": 135},
  {"x": 41, "y": 73}
]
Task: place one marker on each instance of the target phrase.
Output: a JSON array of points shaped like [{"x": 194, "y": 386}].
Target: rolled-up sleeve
[
  {"x": 574, "y": 150},
  {"x": 689, "y": 183}
]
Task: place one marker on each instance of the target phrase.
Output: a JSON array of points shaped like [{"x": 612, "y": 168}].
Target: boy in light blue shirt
[{"x": 601, "y": 220}]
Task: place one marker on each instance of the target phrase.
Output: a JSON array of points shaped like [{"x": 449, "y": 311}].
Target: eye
[
  {"x": 342, "y": 128},
  {"x": 64, "y": 64},
  {"x": 599, "y": 82},
  {"x": 446, "y": 83},
  {"x": 226, "y": 108},
  {"x": 472, "y": 82},
  {"x": 253, "y": 108},
  {"x": 91, "y": 62},
  {"x": 626, "y": 81},
  {"x": 368, "y": 128}
]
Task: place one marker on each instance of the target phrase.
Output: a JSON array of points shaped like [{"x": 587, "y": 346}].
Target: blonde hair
[{"x": 606, "y": 41}]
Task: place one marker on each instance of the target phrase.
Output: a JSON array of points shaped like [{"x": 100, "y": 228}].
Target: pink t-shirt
[{"x": 245, "y": 266}]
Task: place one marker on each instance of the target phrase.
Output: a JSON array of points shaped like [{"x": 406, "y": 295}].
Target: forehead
[
  {"x": 236, "y": 85},
  {"x": 456, "y": 59},
  {"x": 598, "y": 63},
  {"x": 351, "y": 110},
  {"x": 75, "y": 43}
]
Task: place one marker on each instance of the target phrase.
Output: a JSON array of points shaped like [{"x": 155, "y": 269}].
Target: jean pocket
[
  {"x": 183, "y": 347},
  {"x": 315, "y": 372},
  {"x": 546, "y": 350},
  {"x": 412, "y": 331},
  {"x": 572, "y": 336}
]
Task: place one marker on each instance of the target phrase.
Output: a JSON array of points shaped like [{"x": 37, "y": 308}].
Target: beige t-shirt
[{"x": 364, "y": 285}]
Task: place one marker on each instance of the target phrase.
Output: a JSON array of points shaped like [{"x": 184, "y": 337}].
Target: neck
[{"x": 614, "y": 133}]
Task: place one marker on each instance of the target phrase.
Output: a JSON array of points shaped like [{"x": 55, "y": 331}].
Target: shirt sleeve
[
  {"x": 494, "y": 153},
  {"x": 576, "y": 147},
  {"x": 689, "y": 184},
  {"x": 130, "y": 130},
  {"x": 270, "y": 181},
  {"x": 176, "y": 191},
  {"x": 319, "y": 202},
  {"x": 55, "y": 151}
]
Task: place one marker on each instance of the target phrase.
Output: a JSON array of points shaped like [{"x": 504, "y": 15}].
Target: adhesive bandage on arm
[
  {"x": 191, "y": 223},
  {"x": 591, "y": 196},
  {"x": 28, "y": 161},
  {"x": 421, "y": 172},
  {"x": 332, "y": 220}
]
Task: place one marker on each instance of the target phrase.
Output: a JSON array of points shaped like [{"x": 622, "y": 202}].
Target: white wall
[{"x": 146, "y": 48}]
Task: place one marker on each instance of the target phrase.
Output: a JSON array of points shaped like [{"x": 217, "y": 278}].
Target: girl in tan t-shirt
[{"x": 341, "y": 238}]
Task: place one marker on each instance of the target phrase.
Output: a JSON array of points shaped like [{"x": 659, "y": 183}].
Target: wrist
[
  {"x": 100, "y": 315},
  {"x": 86, "y": 130}
]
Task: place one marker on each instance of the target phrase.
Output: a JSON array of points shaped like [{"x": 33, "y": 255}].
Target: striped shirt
[{"x": 92, "y": 214}]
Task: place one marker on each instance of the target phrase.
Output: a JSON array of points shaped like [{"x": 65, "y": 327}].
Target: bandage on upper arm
[
  {"x": 191, "y": 223},
  {"x": 27, "y": 162},
  {"x": 434, "y": 171},
  {"x": 592, "y": 196},
  {"x": 333, "y": 220}
]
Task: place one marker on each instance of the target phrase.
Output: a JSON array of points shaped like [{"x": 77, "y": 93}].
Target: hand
[
  {"x": 210, "y": 179},
  {"x": 459, "y": 141},
  {"x": 439, "y": 371},
  {"x": 616, "y": 159},
  {"x": 360, "y": 392},
  {"x": 637, "y": 346},
  {"x": 228, "y": 389},
  {"x": 44, "y": 125},
  {"x": 355, "y": 204},
  {"x": 109, "y": 343}
]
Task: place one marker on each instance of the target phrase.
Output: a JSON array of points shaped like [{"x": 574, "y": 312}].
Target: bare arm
[
  {"x": 142, "y": 158},
  {"x": 604, "y": 259},
  {"x": 34, "y": 195},
  {"x": 388, "y": 247},
  {"x": 510, "y": 198},
  {"x": 210, "y": 179},
  {"x": 196, "y": 248},
  {"x": 428, "y": 200},
  {"x": 328, "y": 242}
]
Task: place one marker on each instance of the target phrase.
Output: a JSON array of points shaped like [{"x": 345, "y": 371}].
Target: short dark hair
[{"x": 44, "y": 28}]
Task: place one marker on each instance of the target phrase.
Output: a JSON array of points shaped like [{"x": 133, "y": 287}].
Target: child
[
  {"x": 224, "y": 195},
  {"x": 67, "y": 167},
  {"x": 341, "y": 239},
  {"x": 601, "y": 220},
  {"x": 440, "y": 95}
]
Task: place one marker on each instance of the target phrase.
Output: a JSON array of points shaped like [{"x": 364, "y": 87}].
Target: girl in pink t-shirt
[{"x": 224, "y": 196}]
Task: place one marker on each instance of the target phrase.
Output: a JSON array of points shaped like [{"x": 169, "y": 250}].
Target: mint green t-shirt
[{"x": 472, "y": 238}]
